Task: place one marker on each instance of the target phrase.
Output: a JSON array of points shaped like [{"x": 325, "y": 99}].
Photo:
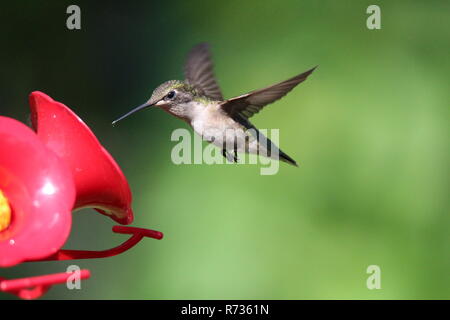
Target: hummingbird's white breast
[{"x": 216, "y": 127}]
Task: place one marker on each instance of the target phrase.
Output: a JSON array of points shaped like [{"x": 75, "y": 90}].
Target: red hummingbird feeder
[{"x": 46, "y": 174}]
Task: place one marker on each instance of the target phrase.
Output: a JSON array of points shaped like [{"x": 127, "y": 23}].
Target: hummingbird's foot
[{"x": 229, "y": 156}]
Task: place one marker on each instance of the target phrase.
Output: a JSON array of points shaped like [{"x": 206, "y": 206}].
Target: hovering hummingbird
[{"x": 199, "y": 101}]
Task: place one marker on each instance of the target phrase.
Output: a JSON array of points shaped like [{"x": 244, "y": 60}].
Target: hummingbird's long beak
[{"x": 142, "y": 106}]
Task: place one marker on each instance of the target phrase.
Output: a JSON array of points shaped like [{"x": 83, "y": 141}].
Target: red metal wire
[
  {"x": 137, "y": 235},
  {"x": 35, "y": 287}
]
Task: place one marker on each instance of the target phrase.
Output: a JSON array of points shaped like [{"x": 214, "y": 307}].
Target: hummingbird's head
[{"x": 172, "y": 96}]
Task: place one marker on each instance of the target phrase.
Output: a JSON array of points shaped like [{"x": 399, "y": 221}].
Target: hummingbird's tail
[
  {"x": 265, "y": 143},
  {"x": 285, "y": 158},
  {"x": 270, "y": 148}
]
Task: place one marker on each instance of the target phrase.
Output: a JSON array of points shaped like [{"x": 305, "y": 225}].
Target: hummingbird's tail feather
[
  {"x": 265, "y": 144},
  {"x": 285, "y": 158},
  {"x": 270, "y": 150}
]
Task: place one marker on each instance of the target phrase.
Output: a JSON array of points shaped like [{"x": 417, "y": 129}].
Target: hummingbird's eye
[{"x": 171, "y": 94}]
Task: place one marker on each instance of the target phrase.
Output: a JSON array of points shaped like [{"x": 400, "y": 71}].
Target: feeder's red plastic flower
[
  {"x": 98, "y": 179},
  {"x": 43, "y": 177},
  {"x": 39, "y": 192}
]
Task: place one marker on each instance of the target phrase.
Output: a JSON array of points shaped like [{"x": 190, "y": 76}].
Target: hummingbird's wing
[
  {"x": 198, "y": 71},
  {"x": 248, "y": 104}
]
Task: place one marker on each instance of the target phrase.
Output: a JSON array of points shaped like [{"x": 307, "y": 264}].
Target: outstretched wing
[
  {"x": 248, "y": 104},
  {"x": 198, "y": 71}
]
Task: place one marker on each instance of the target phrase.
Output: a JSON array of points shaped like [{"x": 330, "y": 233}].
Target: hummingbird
[{"x": 198, "y": 101}]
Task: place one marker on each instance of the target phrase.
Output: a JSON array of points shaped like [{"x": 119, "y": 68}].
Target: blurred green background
[{"x": 369, "y": 129}]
